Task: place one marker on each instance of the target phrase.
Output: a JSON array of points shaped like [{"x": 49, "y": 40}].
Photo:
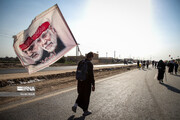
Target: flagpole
[{"x": 68, "y": 28}]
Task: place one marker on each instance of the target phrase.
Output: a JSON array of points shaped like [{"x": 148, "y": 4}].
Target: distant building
[
  {"x": 106, "y": 60},
  {"x": 79, "y": 58},
  {"x": 128, "y": 59},
  {"x": 74, "y": 58}
]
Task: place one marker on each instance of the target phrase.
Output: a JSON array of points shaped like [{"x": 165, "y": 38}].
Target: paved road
[
  {"x": 132, "y": 95},
  {"x": 60, "y": 68}
]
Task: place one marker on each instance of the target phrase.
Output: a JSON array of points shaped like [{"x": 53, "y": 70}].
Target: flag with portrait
[{"x": 45, "y": 41}]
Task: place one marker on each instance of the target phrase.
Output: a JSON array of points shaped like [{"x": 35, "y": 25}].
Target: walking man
[
  {"x": 176, "y": 67},
  {"x": 84, "y": 87},
  {"x": 147, "y": 64},
  {"x": 161, "y": 70},
  {"x": 171, "y": 67},
  {"x": 138, "y": 63}
]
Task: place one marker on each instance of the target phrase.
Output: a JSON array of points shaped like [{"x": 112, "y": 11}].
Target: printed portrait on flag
[
  {"x": 46, "y": 40},
  {"x": 43, "y": 45}
]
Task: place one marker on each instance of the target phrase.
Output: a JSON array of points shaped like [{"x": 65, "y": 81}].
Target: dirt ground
[{"x": 54, "y": 83}]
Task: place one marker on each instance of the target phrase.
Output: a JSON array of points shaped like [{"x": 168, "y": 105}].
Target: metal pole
[{"x": 114, "y": 54}]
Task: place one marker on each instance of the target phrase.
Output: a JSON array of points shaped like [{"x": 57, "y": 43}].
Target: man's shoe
[
  {"x": 86, "y": 113},
  {"x": 74, "y": 108}
]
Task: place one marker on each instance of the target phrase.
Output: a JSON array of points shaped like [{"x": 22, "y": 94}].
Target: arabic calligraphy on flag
[{"x": 46, "y": 40}]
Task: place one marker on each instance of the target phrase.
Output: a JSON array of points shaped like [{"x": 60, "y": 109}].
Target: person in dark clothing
[
  {"x": 176, "y": 67},
  {"x": 138, "y": 63},
  {"x": 171, "y": 67},
  {"x": 155, "y": 64},
  {"x": 161, "y": 70},
  {"x": 84, "y": 87},
  {"x": 144, "y": 63},
  {"x": 147, "y": 64}
]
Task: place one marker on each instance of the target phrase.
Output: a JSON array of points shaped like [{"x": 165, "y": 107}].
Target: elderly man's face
[
  {"x": 34, "y": 51},
  {"x": 48, "y": 40}
]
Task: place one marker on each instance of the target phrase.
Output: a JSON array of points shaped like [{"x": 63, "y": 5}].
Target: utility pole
[{"x": 114, "y": 54}]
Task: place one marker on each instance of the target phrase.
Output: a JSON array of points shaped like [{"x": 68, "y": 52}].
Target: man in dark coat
[
  {"x": 171, "y": 67},
  {"x": 176, "y": 67},
  {"x": 84, "y": 87},
  {"x": 147, "y": 64},
  {"x": 153, "y": 63},
  {"x": 138, "y": 63},
  {"x": 161, "y": 69}
]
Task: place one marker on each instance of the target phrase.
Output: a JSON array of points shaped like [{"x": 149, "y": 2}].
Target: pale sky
[{"x": 142, "y": 29}]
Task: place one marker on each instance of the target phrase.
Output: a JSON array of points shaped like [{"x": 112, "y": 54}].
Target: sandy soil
[{"x": 53, "y": 83}]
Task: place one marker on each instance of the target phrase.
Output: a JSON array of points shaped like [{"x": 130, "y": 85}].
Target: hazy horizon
[{"x": 141, "y": 29}]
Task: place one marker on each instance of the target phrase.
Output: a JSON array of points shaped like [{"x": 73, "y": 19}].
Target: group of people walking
[
  {"x": 154, "y": 64},
  {"x": 86, "y": 82},
  {"x": 173, "y": 66},
  {"x": 161, "y": 66},
  {"x": 143, "y": 64}
]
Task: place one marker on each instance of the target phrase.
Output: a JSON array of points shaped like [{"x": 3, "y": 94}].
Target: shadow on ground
[
  {"x": 169, "y": 87},
  {"x": 76, "y": 118}
]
